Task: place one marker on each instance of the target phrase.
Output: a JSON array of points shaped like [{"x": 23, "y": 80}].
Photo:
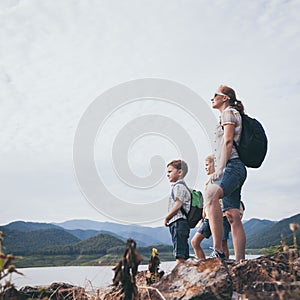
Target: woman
[{"x": 229, "y": 176}]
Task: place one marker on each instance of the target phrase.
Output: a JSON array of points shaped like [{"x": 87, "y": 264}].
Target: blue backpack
[
  {"x": 194, "y": 215},
  {"x": 253, "y": 145}
]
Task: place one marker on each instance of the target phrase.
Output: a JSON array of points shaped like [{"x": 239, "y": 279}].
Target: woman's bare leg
[
  {"x": 237, "y": 232},
  {"x": 215, "y": 215}
]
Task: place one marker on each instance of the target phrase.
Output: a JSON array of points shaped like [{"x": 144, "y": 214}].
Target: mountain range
[{"x": 26, "y": 238}]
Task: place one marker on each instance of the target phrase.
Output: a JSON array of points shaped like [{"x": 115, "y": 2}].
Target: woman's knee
[
  {"x": 233, "y": 216},
  {"x": 213, "y": 193}
]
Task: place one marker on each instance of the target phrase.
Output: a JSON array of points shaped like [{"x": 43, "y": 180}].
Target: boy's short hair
[{"x": 179, "y": 165}]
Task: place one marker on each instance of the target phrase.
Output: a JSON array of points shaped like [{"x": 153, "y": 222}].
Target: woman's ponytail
[{"x": 237, "y": 104}]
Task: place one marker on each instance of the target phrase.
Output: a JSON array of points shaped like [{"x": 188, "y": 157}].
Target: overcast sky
[{"x": 57, "y": 58}]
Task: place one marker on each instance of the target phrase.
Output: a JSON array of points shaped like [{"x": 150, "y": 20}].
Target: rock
[
  {"x": 12, "y": 294},
  {"x": 56, "y": 291},
  {"x": 273, "y": 277},
  {"x": 205, "y": 279},
  {"x": 270, "y": 277}
]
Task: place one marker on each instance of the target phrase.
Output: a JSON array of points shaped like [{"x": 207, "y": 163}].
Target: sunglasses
[{"x": 220, "y": 94}]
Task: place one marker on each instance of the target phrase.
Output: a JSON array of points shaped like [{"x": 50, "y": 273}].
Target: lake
[
  {"x": 88, "y": 277},
  {"x": 91, "y": 278}
]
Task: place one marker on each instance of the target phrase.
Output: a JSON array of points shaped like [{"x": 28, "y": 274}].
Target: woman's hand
[{"x": 216, "y": 175}]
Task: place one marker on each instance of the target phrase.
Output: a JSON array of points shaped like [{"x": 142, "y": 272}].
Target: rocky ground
[{"x": 269, "y": 277}]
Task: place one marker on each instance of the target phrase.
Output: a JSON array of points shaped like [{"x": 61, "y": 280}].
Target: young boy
[{"x": 180, "y": 196}]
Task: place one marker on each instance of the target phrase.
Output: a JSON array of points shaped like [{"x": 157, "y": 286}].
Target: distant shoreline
[{"x": 41, "y": 261}]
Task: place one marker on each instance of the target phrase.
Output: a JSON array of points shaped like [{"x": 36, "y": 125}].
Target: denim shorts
[
  {"x": 205, "y": 229},
  {"x": 231, "y": 182},
  {"x": 180, "y": 232}
]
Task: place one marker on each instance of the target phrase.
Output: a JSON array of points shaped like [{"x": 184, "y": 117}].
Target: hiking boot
[{"x": 216, "y": 253}]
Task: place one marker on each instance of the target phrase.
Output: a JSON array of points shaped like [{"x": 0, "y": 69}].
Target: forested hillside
[
  {"x": 100, "y": 245},
  {"x": 28, "y": 242},
  {"x": 272, "y": 235}
]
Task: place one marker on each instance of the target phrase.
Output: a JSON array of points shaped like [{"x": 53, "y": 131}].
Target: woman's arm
[{"x": 225, "y": 151}]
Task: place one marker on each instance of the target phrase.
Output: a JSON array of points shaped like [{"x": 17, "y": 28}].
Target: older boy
[{"x": 180, "y": 197}]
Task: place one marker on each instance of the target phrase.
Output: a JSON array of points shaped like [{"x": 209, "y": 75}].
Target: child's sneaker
[{"x": 216, "y": 253}]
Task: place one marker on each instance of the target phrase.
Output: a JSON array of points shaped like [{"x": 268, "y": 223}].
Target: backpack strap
[
  {"x": 181, "y": 208},
  {"x": 183, "y": 211}
]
